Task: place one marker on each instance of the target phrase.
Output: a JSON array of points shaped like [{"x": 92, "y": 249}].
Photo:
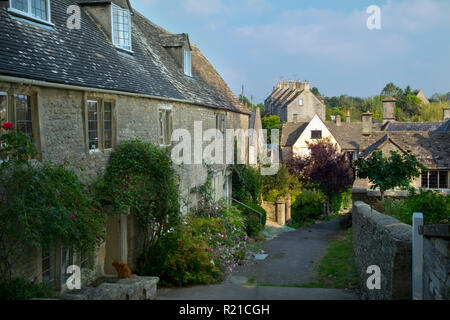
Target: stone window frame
[
  {"x": 221, "y": 123},
  {"x": 100, "y": 123},
  {"x": 163, "y": 123},
  {"x": 11, "y": 111}
]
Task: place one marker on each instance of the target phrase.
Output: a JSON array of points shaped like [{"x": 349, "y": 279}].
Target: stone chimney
[
  {"x": 338, "y": 120},
  {"x": 292, "y": 85},
  {"x": 348, "y": 118},
  {"x": 367, "y": 123},
  {"x": 285, "y": 84},
  {"x": 306, "y": 85},
  {"x": 299, "y": 85},
  {"x": 446, "y": 114},
  {"x": 389, "y": 109}
]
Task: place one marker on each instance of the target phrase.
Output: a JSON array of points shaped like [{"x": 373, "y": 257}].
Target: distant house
[
  {"x": 428, "y": 141},
  {"x": 296, "y": 136},
  {"x": 421, "y": 95},
  {"x": 294, "y": 102}
]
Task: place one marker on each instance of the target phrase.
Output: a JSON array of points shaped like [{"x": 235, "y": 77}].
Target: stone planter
[{"x": 138, "y": 288}]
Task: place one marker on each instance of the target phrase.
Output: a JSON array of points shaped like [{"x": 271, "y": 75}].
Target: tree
[
  {"x": 316, "y": 91},
  {"x": 388, "y": 173},
  {"x": 392, "y": 90},
  {"x": 270, "y": 123},
  {"x": 408, "y": 106},
  {"x": 324, "y": 166}
]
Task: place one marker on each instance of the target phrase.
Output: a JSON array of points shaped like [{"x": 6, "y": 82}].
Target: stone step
[{"x": 137, "y": 288}]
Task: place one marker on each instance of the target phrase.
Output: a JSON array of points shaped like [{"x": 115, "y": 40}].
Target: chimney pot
[
  {"x": 367, "y": 123},
  {"x": 338, "y": 120},
  {"x": 292, "y": 84},
  {"x": 348, "y": 118},
  {"x": 306, "y": 85}
]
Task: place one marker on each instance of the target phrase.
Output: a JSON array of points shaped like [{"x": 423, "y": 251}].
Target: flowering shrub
[
  {"x": 15, "y": 147},
  {"x": 198, "y": 251}
]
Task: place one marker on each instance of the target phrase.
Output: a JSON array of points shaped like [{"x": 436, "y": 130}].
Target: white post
[{"x": 417, "y": 255}]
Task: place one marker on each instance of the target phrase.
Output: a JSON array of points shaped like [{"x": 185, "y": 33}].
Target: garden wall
[
  {"x": 382, "y": 241},
  {"x": 278, "y": 212},
  {"x": 436, "y": 269}
]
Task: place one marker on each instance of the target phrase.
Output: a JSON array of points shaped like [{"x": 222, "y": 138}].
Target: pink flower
[
  {"x": 7, "y": 126},
  {"x": 72, "y": 217}
]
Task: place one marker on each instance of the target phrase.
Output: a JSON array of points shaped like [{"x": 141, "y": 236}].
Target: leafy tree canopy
[{"x": 388, "y": 173}]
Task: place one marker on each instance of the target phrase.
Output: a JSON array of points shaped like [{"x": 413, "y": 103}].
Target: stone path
[{"x": 292, "y": 256}]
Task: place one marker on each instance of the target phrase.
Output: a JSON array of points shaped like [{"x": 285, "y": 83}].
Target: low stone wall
[
  {"x": 137, "y": 288},
  {"x": 436, "y": 269},
  {"x": 383, "y": 241}
]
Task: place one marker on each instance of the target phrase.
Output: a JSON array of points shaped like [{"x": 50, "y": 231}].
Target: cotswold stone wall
[
  {"x": 382, "y": 241},
  {"x": 436, "y": 269}
]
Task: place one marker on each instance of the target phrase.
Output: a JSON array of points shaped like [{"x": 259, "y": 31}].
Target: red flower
[{"x": 7, "y": 126}]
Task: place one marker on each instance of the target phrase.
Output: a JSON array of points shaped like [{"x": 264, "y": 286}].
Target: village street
[{"x": 290, "y": 262}]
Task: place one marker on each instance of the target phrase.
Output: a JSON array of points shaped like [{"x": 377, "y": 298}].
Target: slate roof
[
  {"x": 291, "y": 132},
  {"x": 348, "y": 134},
  {"x": 412, "y": 126},
  {"x": 431, "y": 148},
  {"x": 174, "y": 40},
  {"x": 87, "y": 58}
]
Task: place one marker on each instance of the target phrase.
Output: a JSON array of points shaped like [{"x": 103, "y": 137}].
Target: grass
[{"x": 337, "y": 268}]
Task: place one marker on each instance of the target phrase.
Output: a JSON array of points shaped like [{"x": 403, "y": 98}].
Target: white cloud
[{"x": 343, "y": 36}]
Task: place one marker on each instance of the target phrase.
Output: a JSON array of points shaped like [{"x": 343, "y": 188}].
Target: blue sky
[{"x": 256, "y": 43}]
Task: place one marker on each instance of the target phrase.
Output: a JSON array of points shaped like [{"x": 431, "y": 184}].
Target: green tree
[
  {"x": 392, "y": 90},
  {"x": 271, "y": 123},
  {"x": 408, "y": 106},
  {"x": 388, "y": 173}
]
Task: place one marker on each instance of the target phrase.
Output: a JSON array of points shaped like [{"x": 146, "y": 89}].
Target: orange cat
[{"x": 123, "y": 270}]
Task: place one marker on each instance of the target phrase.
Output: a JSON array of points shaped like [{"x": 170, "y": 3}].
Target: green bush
[
  {"x": 254, "y": 223},
  {"x": 307, "y": 206},
  {"x": 434, "y": 206},
  {"x": 283, "y": 181},
  {"x": 140, "y": 179},
  {"x": 49, "y": 203},
  {"x": 179, "y": 258},
  {"x": 246, "y": 184},
  {"x": 340, "y": 201},
  {"x": 199, "y": 251},
  {"x": 19, "y": 289}
]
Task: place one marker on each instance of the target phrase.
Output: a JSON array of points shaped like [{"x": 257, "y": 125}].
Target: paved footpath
[{"x": 291, "y": 260}]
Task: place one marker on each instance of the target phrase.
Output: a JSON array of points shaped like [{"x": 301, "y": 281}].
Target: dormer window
[
  {"x": 35, "y": 9},
  {"x": 121, "y": 27},
  {"x": 187, "y": 63}
]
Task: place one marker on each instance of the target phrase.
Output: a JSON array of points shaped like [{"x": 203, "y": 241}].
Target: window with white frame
[
  {"x": 38, "y": 9},
  {"x": 187, "y": 62},
  {"x": 165, "y": 127},
  {"x": 121, "y": 27},
  {"x": 300, "y": 102},
  {"x": 100, "y": 125},
  {"x": 435, "y": 179}
]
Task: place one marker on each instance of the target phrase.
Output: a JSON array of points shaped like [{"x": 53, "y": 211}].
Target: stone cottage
[
  {"x": 78, "y": 91},
  {"x": 294, "y": 102},
  {"x": 428, "y": 141}
]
